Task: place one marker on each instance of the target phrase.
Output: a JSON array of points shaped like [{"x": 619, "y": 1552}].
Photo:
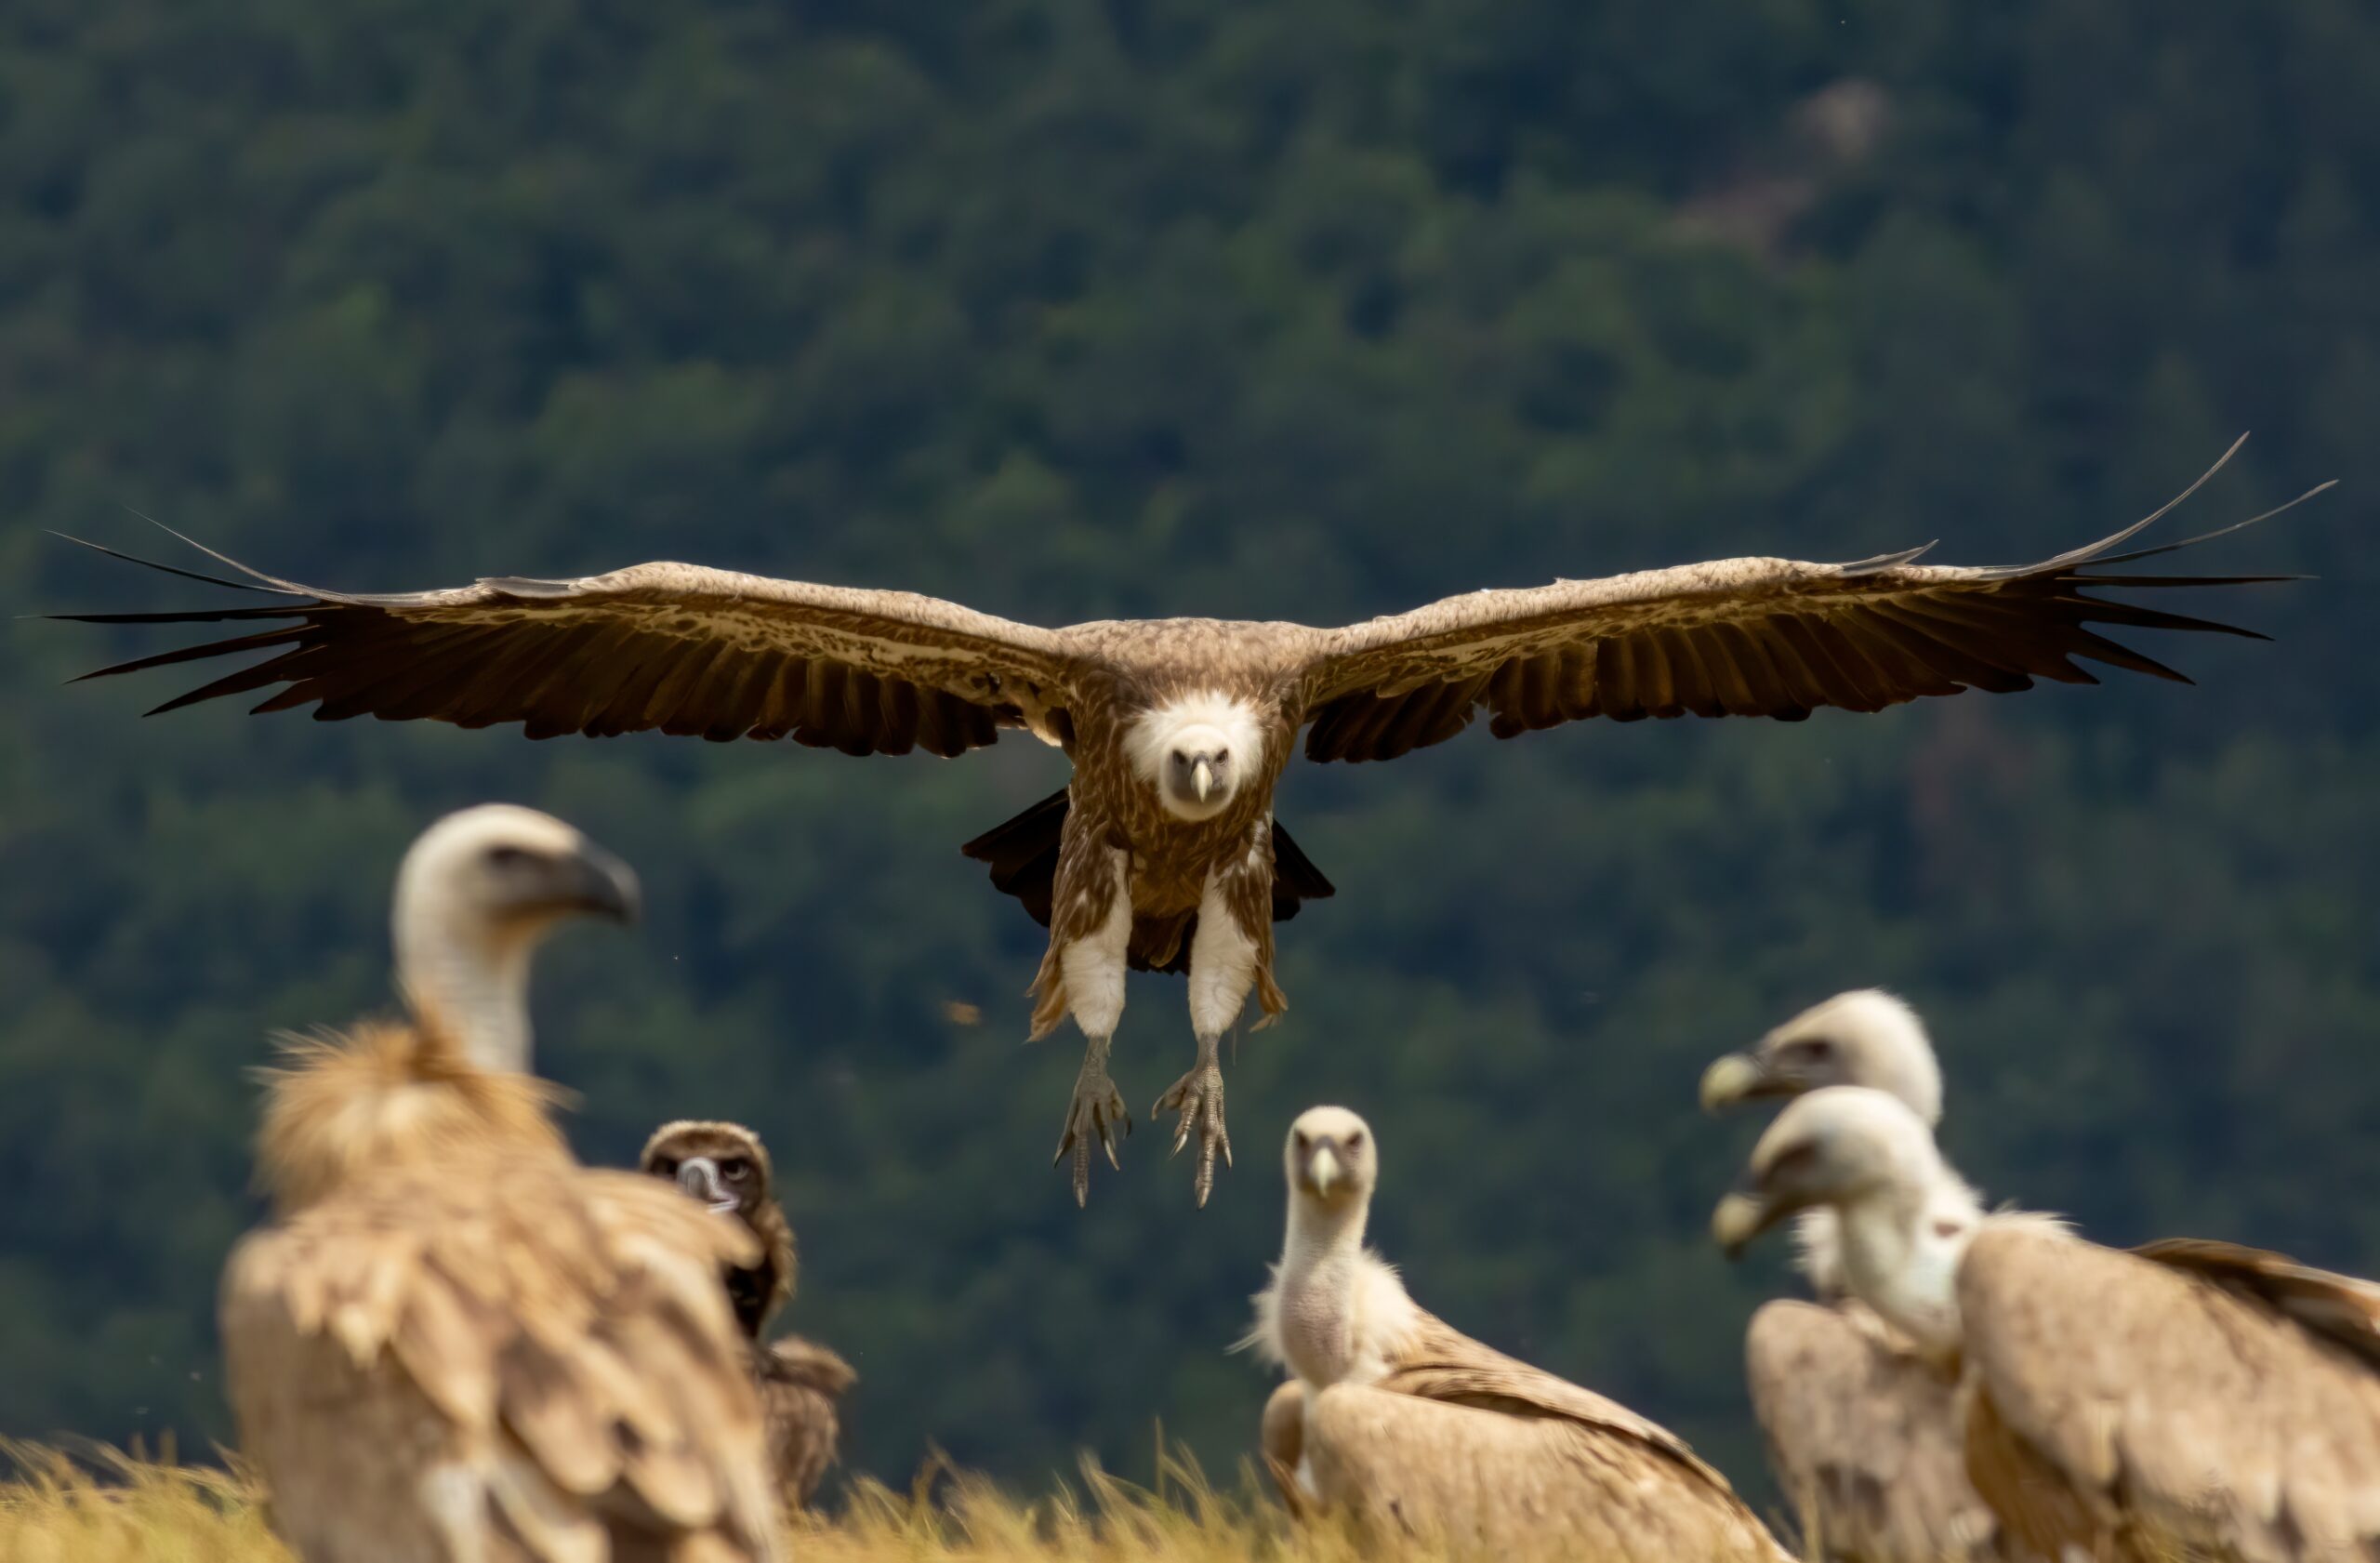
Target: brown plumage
[
  {"x": 801, "y": 1382},
  {"x": 2191, "y": 1392},
  {"x": 1179, "y": 729},
  {"x": 2188, "y": 1399},
  {"x": 1413, "y": 1428},
  {"x": 452, "y": 1342},
  {"x": 1864, "y": 1434},
  {"x": 1863, "y": 1431}
]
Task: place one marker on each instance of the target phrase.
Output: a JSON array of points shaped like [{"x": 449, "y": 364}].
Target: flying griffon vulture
[
  {"x": 2186, "y": 1398},
  {"x": 1413, "y": 1428},
  {"x": 1162, "y": 852},
  {"x": 1862, "y": 1428},
  {"x": 452, "y": 1342},
  {"x": 801, "y": 1382}
]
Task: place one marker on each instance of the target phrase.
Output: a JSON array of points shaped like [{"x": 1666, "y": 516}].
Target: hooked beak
[
  {"x": 1202, "y": 778},
  {"x": 1322, "y": 1171},
  {"x": 1738, "y": 1077},
  {"x": 1744, "y": 1214},
  {"x": 698, "y": 1175},
  {"x": 606, "y": 886}
]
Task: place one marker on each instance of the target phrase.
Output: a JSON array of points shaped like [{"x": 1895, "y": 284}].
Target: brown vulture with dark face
[
  {"x": 1164, "y": 852},
  {"x": 801, "y": 1382}
]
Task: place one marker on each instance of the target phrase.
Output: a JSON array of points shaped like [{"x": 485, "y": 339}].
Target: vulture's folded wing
[
  {"x": 1439, "y": 1362},
  {"x": 674, "y": 647},
  {"x": 1280, "y": 1441},
  {"x": 1863, "y": 1434},
  {"x": 2109, "y": 1389},
  {"x": 801, "y": 1387},
  {"x": 1734, "y": 636},
  {"x": 2339, "y": 1308},
  {"x": 553, "y": 1364}
]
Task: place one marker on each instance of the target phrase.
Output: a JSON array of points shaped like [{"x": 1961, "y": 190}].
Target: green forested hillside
[{"x": 1311, "y": 310}]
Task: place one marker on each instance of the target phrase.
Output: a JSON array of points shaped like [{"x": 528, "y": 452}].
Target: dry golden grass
[{"x": 112, "y": 1508}]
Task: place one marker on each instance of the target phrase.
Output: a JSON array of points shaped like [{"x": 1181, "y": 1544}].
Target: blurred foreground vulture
[
  {"x": 453, "y": 1342},
  {"x": 1416, "y": 1430},
  {"x": 1861, "y": 1427},
  {"x": 2185, "y": 1399},
  {"x": 1163, "y": 854},
  {"x": 801, "y": 1382}
]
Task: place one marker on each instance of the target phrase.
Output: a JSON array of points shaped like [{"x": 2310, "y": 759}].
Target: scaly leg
[
  {"x": 1096, "y": 1110},
  {"x": 1198, "y": 1097},
  {"x": 1223, "y": 967},
  {"x": 1094, "y": 968}
]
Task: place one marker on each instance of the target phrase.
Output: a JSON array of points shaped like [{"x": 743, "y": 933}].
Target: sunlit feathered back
[{"x": 384, "y": 1096}]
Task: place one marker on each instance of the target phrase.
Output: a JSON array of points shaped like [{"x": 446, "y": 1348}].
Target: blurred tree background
[{"x": 1078, "y": 307}]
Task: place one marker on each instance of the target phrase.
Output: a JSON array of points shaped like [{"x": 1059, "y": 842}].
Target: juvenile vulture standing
[
  {"x": 801, "y": 1382},
  {"x": 1416, "y": 1429},
  {"x": 1861, "y": 1428},
  {"x": 453, "y": 1342},
  {"x": 1162, "y": 853},
  {"x": 2183, "y": 1398}
]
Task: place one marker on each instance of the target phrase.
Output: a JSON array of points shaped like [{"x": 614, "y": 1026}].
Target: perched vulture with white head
[
  {"x": 801, "y": 1382},
  {"x": 1862, "y": 1430},
  {"x": 2183, "y": 1398},
  {"x": 453, "y": 1343},
  {"x": 1417, "y": 1430},
  {"x": 1163, "y": 852}
]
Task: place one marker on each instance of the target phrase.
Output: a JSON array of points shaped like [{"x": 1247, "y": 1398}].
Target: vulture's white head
[
  {"x": 475, "y": 896},
  {"x": 1330, "y": 1160},
  {"x": 1335, "y": 1311},
  {"x": 1866, "y": 1037},
  {"x": 1197, "y": 753},
  {"x": 1906, "y": 1217}
]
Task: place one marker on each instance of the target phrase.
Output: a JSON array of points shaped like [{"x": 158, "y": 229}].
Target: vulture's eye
[
  {"x": 507, "y": 856},
  {"x": 1180, "y": 758},
  {"x": 1222, "y": 755},
  {"x": 666, "y": 1166},
  {"x": 1300, "y": 1137},
  {"x": 736, "y": 1169},
  {"x": 1354, "y": 1139}
]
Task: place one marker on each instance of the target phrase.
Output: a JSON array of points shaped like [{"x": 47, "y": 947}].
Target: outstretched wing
[
  {"x": 676, "y": 647},
  {"x": 1735, "y": 637}
]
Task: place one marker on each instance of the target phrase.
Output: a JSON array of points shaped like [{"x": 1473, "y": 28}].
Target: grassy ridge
[{"x": 116, "y": 1508}]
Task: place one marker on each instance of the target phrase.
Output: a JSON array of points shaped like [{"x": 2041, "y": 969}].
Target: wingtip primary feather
[
  {"x": 173, "y": 569},
  {"x": 2097, "y": 552},
  {"x": 2323, "y": 487}
]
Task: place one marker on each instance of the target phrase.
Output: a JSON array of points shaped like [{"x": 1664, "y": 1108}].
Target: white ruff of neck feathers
[
  {"x": 1334, "y": 1312},
  {"x": 1150, "y": 737},
  {"x": 1818, "y": 1251},
  {"x": 457, "y": 971},
  {"x": 1901, "y": 1251}
]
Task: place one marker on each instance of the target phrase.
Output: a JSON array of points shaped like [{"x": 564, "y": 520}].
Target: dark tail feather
[
  {"x": 1023, "y": 857},
  {"x": 1024, "y": 854},
  {"x": 1294, "y": 873}
]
